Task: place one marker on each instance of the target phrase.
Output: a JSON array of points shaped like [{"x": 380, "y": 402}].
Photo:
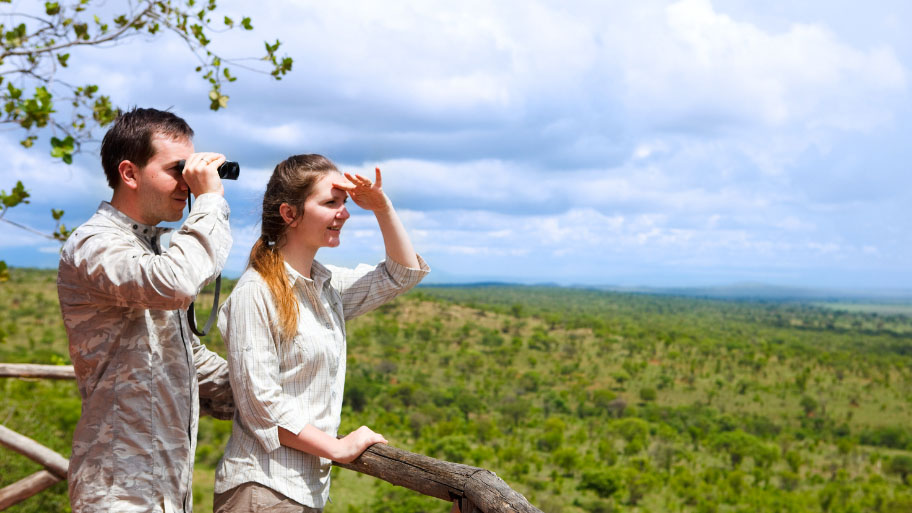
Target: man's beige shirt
[
  {"x": 292, "y": 383},
  {"x": 140, "y": 371}
]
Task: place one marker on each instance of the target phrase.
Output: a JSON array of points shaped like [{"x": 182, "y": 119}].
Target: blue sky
[{"x": 650, "y": 143}]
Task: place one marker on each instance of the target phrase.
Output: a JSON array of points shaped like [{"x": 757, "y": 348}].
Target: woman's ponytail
[{"x": 267, "y": 261}]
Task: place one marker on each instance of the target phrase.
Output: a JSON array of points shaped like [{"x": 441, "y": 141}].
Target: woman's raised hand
[{"x": 365, "y": 194}]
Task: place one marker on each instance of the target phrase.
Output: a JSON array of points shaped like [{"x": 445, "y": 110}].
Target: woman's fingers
[{"x": 362, "y": 181}]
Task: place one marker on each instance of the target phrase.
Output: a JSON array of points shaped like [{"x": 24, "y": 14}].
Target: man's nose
[{"x": 182, "y": 184}]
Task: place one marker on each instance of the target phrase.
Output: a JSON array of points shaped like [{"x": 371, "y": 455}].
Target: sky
[{"x": 649, "y": 143}]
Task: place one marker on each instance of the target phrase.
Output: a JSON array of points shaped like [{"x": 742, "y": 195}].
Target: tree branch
[{"x": 110, "y": 37}]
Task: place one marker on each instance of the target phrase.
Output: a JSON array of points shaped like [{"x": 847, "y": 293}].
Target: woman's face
[{"x": 324, "y": 214}]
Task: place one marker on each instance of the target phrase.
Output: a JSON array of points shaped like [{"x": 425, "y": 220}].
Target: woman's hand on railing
[{"x": 353, "y": 444}]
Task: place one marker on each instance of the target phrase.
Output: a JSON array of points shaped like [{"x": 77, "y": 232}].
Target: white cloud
[
  {"x": 243, "y": 237},
  {"x": 46, "y": 179},
  {"x": 13, "y": 237},
  {"x": 705, "y": 67}
]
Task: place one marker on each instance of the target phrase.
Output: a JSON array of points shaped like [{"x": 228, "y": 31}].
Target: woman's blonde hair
[{"x": 291, "y": 182}]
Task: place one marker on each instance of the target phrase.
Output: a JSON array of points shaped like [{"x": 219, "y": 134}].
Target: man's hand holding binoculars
[{"x": 200, "y": 171}]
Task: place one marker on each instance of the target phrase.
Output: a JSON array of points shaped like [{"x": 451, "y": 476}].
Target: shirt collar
[
  {"x": 320, "y": 274},
  {"x": 141, "y": 230}
]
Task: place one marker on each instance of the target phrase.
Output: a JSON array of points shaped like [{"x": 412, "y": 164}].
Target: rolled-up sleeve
[
  {"x": 365, "y": 288},
  {"x": 253, "y": 366}
]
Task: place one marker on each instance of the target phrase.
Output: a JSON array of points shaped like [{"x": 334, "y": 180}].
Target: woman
[{"x": 284, "y": 325}]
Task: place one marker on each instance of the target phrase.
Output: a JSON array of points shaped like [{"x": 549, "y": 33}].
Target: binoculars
[{"x": 227, "y": 171}]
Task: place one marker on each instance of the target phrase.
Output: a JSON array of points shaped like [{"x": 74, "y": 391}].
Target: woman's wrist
[{"x": 385, "y": 208}]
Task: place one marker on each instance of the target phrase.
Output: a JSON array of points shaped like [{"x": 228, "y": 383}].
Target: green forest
[{"x": 581, "y": 400}]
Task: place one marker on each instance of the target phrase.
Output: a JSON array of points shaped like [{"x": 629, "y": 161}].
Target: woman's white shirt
[{"x": 292, "y": 383}]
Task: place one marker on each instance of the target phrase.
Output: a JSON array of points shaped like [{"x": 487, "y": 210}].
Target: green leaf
[
  {"x": 103, "y": 111},
  {"x": 56, "y": 214},
  {"x": 63, "y": 58},
  {"x": 14, "y": 93},
  {"x": 62, "y": 233},
  {"x": 219, "y": 101},
  {"x": 15, "y": 37},
  {"x": 81, "y": 30},
  {"x": 245, "y": 22},
  {"x": 52, "y": 8},
  {"x": 229, "y": 22},
  {"x": 16, "y": 196},
  {"x": 63, "y": 148}
]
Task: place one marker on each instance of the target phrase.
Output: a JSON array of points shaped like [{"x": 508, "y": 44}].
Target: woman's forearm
[
  {"x": 395, "y": 238},
  {"x": 344, "y": 450},
  {"x": 310, "y": 440}
]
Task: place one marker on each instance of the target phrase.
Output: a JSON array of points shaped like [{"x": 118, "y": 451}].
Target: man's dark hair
[{"x": 131, "y": 138}]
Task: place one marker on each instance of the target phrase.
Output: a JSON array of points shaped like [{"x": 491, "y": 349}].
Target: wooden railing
[{"x": 475, "y": 489}]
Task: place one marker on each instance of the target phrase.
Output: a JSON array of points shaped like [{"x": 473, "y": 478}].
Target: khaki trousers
[{"x": 253, "y": 497}]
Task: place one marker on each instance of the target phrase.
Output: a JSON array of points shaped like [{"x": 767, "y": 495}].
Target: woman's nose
[{"x": 342, "y": 213}]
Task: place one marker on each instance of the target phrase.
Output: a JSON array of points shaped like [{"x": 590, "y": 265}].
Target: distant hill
[
  {"x": 737, "y": 291},
  {"x": 759, "y": 291}
]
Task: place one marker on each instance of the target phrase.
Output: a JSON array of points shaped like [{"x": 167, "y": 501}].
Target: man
[{"x": 141, "y": 373}]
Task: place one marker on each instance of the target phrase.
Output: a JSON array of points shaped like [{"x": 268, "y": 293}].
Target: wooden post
[
  {"x": 56, "y": 468},
  {"x": 442, "y": 479},
  {"x": 31, "y": 449},
  {"x": 25, "y": 488},
  {"x": 31, "y": 370}
]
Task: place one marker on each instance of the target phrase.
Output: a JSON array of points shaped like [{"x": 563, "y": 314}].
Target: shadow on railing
[{"x": 475, "y": 489}]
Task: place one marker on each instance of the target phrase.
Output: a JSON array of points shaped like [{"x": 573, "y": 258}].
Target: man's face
[{"x": 162, "y": 190}]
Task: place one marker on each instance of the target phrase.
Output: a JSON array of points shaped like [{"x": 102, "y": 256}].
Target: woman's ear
[
  {"x": 289, "y": 214},
  {"x": 129, "y": 174}
]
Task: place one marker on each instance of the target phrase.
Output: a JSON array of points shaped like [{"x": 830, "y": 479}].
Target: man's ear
[
  {"x": 289, "y": 214},
  {"x": 129, "y": 174}
]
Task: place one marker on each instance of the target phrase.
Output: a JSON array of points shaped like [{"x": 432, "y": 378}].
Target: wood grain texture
[
  {"x": 25, "y": 488},
  {"x": 441, "y": 479},
  {"x": 31, "y": 449},
  {"x": 32, "y": 370}
]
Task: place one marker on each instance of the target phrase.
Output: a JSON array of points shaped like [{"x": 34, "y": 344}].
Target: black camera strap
[{"x": 191, "y": 316}]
